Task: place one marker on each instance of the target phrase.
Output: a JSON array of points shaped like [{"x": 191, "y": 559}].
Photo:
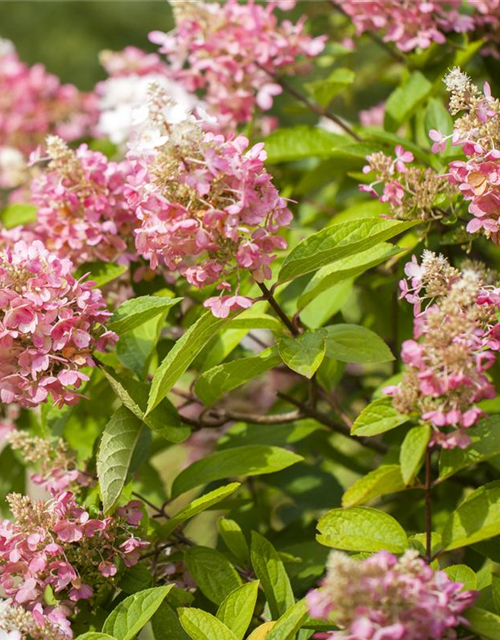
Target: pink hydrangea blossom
[
  {"x": 49, "y": 324},
  {"x": 389, "y": 598},
  {"x": 232, "y": 51}
]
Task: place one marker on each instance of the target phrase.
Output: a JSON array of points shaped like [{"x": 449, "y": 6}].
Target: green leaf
[
  {"x": 136, "y": 311},
  {"x": 290, "y": 622},
  {"x": 270, "y": 570},
  {"x": 236, "y": 611},
  {"x": 379, "y": 416},
  {"x": 136, "y": 578},
  {"x": 166, "y": 625},
  {"x": 164, "y": 419},
  {"x": 485, "y": 437},
  {"x": 114, "y": 456},
  {"x": 412, "y": 452},
  {"x": 386, "y": 479},
  {"x": 212, "y": 572},
  {"x": 200, "y": 625},
  {"x": 304, "y": 354},
  {"x": 404, "y": 101},
  {"x": 133, "y": 613},
  {"x": 218, "y": 381},
  {"x": 463, "y": 574},
  {"x": 326, "y": 89},
  {"x": 101, "y": 272},
  {"x": 339, "y": 241},
  {"x": 484, "y": 623},
  {"x": 18, "y": 214},
  {"x": 197, "y": 506},
  {"x": 135, "y": 348},
  {"x": 234, "y": 539},
  {"x": 476, "y": 519},
  {"x": 344, "y": 269},
  {"x": 182, "y": 355},
  {"x": 251, "y": 460},
  {"x": 95, "y": 635},
  {"x": 361, "y": 529},
  {"x": 354, "y": 343},
  {"x": 302, "y": 141},
  {"x": 262, "y": 321}
]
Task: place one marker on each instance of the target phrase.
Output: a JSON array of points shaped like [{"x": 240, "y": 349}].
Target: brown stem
[
  {"x": 279, "y": 311},
  {"x": 428, "y": 505},
  {"x": 212, "y": 418}
]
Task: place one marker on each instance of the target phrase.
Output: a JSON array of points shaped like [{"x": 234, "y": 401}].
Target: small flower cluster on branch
[
  {"x": 389, "y": 598},
  {"x": 456, "y": 334},
  {"x": 49, "y": 324}
]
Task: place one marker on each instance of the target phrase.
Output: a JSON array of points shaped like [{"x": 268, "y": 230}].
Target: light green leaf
[
  {"x": 136, "y": 311},
  {"x": 463, "y": 574},
  {"x": 386, "y": 479},
  {"x": 305, "y": 353},
  {"x": 345, "y": 269},
  {"x": 114, "y": 456},
  {"x": 182, "y": 355},
  {"x": 476, "y": 519},
  {"x": 404, "y": 101},
  {"x": 379, "y": 416},
  {"x": 212, "y": 572},
  {"x": 339, "y": 241},
  {"x": 95, "y": 635},
  {"x": 270, "y": 570},
  {"x": 236, "y": 611},
  {"x": 327, "y": 304},
  {"x": 164, "y": 419},
  {"x": 290, "y": 622},
  {"x": 201, "y": 625},
  {"x": 484, "y": 623},
  {"x": 361, "y": 529},
  {"x": 262, "y": 321},
  {"x": 133, "y": 613},
  {"x": 135, "y": 348},
  {"x": 325, "y": 90},
  {"x": 18, "y": 214},
  {"x": 251, "y": 460},
  {"x": 197, "y": 506},
  {"x": 412, "y": 452},
  {"x": 234, "y": 539},
  {"x": 302, "y": 141},
  {"x": 485, "y": 437},
  {"x": 218, "y": 381},
  {"x": 354, "y": 343},
  {"x": 101, "y": 272}
]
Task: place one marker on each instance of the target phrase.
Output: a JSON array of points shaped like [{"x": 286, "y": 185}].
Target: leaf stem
[{"x": 279, "y": 311}]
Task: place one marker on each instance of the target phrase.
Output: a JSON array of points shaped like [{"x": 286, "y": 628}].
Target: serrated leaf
[
  {"x": 304, "y": 354},
  {"x": 200, "y": 625},
  {"x": 483, "y": 622},
  {"x": 290, "y": 622},
  {"x": 17, "y": 214},
  {"x": 463, "y": 574},
  {"x": 326, "y": 89},
  {"x": 136, "y": 311},
  {"x": 485, "y": 437},
  {"x": 236, "y": 611},
  {"x": 262, "y": 321},
  {"x": 135, "y": 348},
  {"x": 133, "y": 613},
  {"x": 182, "y": 355},
  {"x": 344, "y": 269},
  {"x": 361, "y": 529},
  {"x": 219, "y": 380},
  {"x": 101, "y": 272},
  {"x": 378, "y": 417},
  {"x": 95, "y": 635},
  {"x": 212, "y": 572},
  {"x": 339, "y": 241},
  {"x": 354, "y": 343},
  {"x": 114, "y": 456},
  {"x": 164, "y": 419},
  {"x": 251, "y": 460},
  {"x": 413, "y": 450},
  {"x": 234, "y": 539},
  {"x": 386, "y": 479},
  {"x": 476, "y": 518},
  {"x": 302, "y": 141},
  {"x": 262, "y": 632},
  {"x": 270, "y": 570},
  {"x": 197, "y": 506},
  {"x": 404, "y": 100}
]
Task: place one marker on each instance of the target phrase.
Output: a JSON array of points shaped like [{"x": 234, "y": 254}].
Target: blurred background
[{"x": 67, "y": 35}]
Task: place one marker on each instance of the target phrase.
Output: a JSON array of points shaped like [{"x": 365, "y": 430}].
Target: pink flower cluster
[
  {"x": 393, "y": 191},
  {"x": 389, "y": 598},
  {"x": 83, "y": 214},
  {"x": 49, "y": 324},
  {"x": 57, "y": 545},
  {"x": 456, "y": 337},
  {"x": 208, "y": 209},
  {"x": 233, "y": 51},
  {"x": 33, "y": 103},
  {"x": 413, "y": 24}
]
